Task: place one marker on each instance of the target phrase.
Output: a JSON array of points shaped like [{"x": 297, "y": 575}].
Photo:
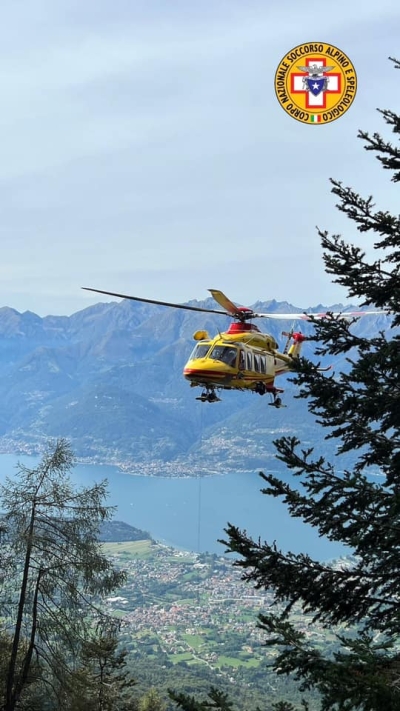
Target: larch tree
[
  {"x": 55, "y": 572},
  {"x": 359, "y": 410},
  {"x": 151, "y": 701}
]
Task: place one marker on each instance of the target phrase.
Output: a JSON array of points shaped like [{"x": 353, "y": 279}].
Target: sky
[{"x": 143, "y": 149}]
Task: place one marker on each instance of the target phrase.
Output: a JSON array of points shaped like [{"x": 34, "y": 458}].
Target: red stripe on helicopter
[
  {"x": 208, "y": 373},
  {"x": 223, "y": 374}
]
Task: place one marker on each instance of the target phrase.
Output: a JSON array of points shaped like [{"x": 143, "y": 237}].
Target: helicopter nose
[{"x": 197, "y": 371}]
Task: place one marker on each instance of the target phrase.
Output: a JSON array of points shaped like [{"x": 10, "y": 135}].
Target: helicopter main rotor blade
[
  {"x": 297, "y": 316},
  {"x": 153, "y": 301},
  {"x": 238, "y": 312},
  {"x": 223, "y": 301},
  {"x": 318, "y": 317},
  {"x": 355, "y": 314},
  {"x": 244, "y": 313}
]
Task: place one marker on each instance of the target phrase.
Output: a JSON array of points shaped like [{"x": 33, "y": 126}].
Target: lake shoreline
[{"x": 175, "y": 469}]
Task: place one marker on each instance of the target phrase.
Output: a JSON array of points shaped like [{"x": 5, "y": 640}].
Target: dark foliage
[
  {"x": 216, "y": 700},
  {"x": 54, "y": 573},
  {"x": 358, "y": 506}
]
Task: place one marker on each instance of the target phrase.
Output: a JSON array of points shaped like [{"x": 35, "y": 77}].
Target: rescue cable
[{"x": 199, "y": 485}]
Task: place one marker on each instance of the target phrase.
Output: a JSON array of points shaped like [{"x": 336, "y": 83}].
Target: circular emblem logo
[{"x": 315, "y": 83}]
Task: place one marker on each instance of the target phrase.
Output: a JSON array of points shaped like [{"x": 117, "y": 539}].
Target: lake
[{"x": 191, "y": 513}]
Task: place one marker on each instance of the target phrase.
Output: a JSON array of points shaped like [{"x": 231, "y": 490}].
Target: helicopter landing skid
[
  {"x": 209, "y": 395},
  {"x": 277, "y": 401}
]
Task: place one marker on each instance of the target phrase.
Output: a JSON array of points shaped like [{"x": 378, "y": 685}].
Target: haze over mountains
[{"x": 109, "y": 378}]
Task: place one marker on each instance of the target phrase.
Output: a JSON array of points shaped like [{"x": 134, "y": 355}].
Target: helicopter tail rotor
[
  {"x": 294, "y": 342},
  {"x": 289, "y": 336}
]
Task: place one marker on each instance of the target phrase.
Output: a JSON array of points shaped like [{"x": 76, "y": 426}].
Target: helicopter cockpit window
[
  {"x": 200, "y": 351},
  {"x": 225, "y": 354}
]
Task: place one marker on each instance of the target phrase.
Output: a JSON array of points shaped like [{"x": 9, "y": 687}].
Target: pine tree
[
  {"x": 360, "y": 412},
  {"x": 108, "y": 684},
  {"x": 55, "y": 571},
  {"x": 217, "y": 700}
]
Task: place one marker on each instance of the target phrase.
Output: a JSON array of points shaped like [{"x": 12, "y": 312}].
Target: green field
[
  {"x": 235, "y": 662},
  {"x": 193, "y": 640},
  {"x": 130, "y": 549},
  {"x": 181, "y": 657}
]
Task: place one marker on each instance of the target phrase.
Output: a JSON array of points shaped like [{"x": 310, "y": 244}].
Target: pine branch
[{"x": 359, "y": 409}]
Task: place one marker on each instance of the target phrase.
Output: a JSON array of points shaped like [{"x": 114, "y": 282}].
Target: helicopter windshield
[
  {"x": 200, "y": 351},
  {"x": 226, "y": 354}
]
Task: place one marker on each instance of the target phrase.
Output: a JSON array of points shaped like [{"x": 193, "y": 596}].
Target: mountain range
[{"x": 109, "y": 379}]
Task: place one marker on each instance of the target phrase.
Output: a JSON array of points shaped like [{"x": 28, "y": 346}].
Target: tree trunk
[{"x": 10, "y": 695}]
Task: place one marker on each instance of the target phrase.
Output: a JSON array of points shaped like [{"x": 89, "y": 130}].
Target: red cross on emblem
[{"x": 316, "y": 102}]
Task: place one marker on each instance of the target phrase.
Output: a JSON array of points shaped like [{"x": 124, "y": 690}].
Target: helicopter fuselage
[{"x": 242, "y": 358}]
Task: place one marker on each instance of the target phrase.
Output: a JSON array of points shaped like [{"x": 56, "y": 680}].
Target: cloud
[{"x": 145, "y": 139}]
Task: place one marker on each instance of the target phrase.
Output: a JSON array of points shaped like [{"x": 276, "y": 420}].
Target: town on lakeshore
[
  {"x": 192, "y": 608},
  {"x": 182, "y": 468}
]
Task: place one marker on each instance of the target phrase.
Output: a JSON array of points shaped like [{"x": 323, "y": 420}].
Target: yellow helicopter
[{"x": 242, "y": 358}]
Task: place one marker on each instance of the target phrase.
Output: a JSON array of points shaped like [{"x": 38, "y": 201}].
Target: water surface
[{"x": 191, "y": 513}]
